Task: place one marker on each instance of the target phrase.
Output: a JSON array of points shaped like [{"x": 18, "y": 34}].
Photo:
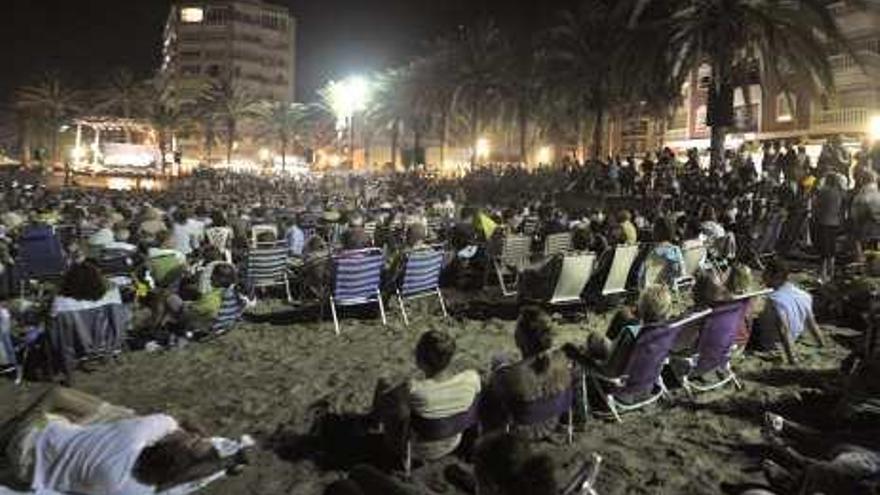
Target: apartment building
[{"x": 251, "y": 40}]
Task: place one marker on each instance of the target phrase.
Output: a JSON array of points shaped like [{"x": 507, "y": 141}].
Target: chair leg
[
  {"x": 402, "y": 309},
  {"x": 381, "y": 308},
  {"x": 570, "y": 426},
  {"x": 613, "y": 406},
  {"x": 442, "y": 303},
  {"x": 287, "y": 289},
  {"x": 335, "y": 318},
  {"x": 407, "y": 460}
]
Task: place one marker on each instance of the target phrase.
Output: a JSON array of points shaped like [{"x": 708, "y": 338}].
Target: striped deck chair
[
  {"x": 421, "y": 278},
  {"x": 40, "y": 255},
  {"x": 266, "y": 267},
  {"x": 357, "y": 278},
  {"x": 231, "y": 309},
  {"x": 530, "y": 225},
  {"x": 370, "y": 230},
  {"x": 220, "y": 238},
  {"x": 714, "y": 347},
  {"x": 8, "y": 359},
  {"x": 257, "y": 230},
  {"x": 643, "y": 358},
  {"x": 573, "y": 277},
  {"x": 514, "y": 253},
  {"x": 764, "y": 245},
  {"x": 557, "y": 243},
  {"x": 618, "y": 273}
]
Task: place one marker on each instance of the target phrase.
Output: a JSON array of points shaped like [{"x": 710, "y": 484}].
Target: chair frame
[
  {"x": 472, "y": 420},
  {"x": 356, "y": 301},
  {"x": 556, "y": 299},
  {"x": 617, "y": 407},
  {"x": 428, "y": 293},
  {"x": 283, "y": 277},
  {"x": 515, "y": 250},
  {"x": 559, "y": 243},
  {"x": 619, "y": 251}
]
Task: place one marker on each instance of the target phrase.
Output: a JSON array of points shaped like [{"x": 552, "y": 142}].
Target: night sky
[{"x": 84, "y": 39}]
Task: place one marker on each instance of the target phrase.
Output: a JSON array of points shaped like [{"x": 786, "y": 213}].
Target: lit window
[
  {"x": 786, "y": 106},
  {"x": 192, "y": 14}
]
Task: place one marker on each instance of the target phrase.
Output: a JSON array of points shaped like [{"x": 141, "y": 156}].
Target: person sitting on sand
[
  {"x": 199, "y": 315},
  {"x": 84, "y": 287},
  {"x": 788, "y": 314},
  {"x": 71, "y": 442},
  {"x": 438, "y": 395},
  {"x": 540, "y": 374}
]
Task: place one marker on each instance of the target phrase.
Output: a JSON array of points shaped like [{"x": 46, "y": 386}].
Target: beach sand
[{"x": 265, "y": 378}]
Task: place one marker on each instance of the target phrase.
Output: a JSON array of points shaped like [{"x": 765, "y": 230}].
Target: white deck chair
[
  {"x": 624, "y": 257},
  {"x": 256, "y": 230},
  {"x": 573, "y": 277},
  {"x": 694, "y": 258},
  {"x": 557, "y": 243},
  {"x": 514, "y": 253}
]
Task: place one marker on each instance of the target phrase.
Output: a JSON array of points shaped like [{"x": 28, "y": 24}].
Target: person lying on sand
[
  {"x": 503, "y": 465},
  {"x": 71, "y": 442},
  {"x": 788, "y": 314},
  {"x": 540, "y": 374},
  {"x": 438, "y": 395},
  {"x": 837, "y": 462}
]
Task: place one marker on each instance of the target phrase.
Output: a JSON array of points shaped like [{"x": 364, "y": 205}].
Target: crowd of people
[{"x": 175, "y": 264}]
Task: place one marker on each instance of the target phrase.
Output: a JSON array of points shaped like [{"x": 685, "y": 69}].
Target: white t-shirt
[
  {"x": 97, "y": 459},
  {"x": 185, "y": 237}
]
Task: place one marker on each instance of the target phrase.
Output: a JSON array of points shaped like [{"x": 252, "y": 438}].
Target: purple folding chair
[
  {"x": 544, "y": 409},
  {"x": 715, "y": 346},
  {"x": 435, "y": 429},
  {"x": 641, "y": 382}
]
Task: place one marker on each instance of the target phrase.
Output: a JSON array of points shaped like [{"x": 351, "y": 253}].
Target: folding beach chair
[
  {"x": 357, "y": 280},
  {"x": 98, "y": 330},
  {"x": 231, "y": 308},
  {"x": 266, "y": 267},
  {"x": 258, "y": 230},
  {"x": 618, "y": 273},
  {"x": 764, "y": 245},
  {"x": 641, "y": 382},
  {"x": 40, "y": 255},
  {"x": 115, "y": 262},
  {"x": 530, "y": 225},
  {"x": 370, "y": 230},
  {"x": 714, "y": 347},
  {"x": 695, "y": 256},
  {"x": 220, "y": 238},
  {"x": 8, "y": 358},
  {"x": 421, "y": 278},
  {"x": 436, "y": 429},
  {"x": 573, "y": 277},
  {"x": 514, "y": 253},
  {"x": 545, "y": 409},
  {"x": 557, "y": 243}
]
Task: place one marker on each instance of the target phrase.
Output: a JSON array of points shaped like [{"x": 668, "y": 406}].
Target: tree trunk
[
  {"x": 283, "y": 155},
  {"x": 444, "y": 136},
  {"x": 230, "y": 138},
  {"x": 597, "y": 132},
  {"x": 417, "y": 143},
  {"x": 719, "y": 134},
  {"x": 475, "y": 129},
  {"x": 163, "y": 148},
  {"x": 523, "y": 132},
  {"x": 368, "y": 141},
  {"x": 25, "y": 143},
  {"x": 395, "y": 136},
  {"x": 720, "y": 76}
]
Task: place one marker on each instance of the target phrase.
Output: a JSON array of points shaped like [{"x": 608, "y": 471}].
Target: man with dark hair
[{"x": 438, "y": 395}]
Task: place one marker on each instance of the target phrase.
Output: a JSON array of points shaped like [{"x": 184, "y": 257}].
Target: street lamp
[
  {"x": 483, "y": 148},
  {"x": 874, "y": 128},
  {"x": 348, "y": 97}
]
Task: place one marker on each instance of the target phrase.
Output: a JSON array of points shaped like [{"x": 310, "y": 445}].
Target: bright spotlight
[
  {"x": 349, "y": 96},
  {"x": 545, "y": 154},
  {"x": 874, "y": 128},
  {"x": 483, "y": 148}
]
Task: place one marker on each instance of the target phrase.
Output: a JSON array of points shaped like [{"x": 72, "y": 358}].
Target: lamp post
[{"x": 348, "y": 97}]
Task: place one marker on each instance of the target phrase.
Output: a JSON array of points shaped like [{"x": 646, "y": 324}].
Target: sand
[{"x": 262, "y": 379}]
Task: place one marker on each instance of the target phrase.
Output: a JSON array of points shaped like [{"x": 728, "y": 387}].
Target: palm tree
[
  {"x": 280, "y": 121},
  {"x": 789, "y": 41},
  {"x": 229, "y": 105},
  {"x": 388, "y": 107},
  {"x": 123, "y": 96},
  {"x": 48, "y": 104}
]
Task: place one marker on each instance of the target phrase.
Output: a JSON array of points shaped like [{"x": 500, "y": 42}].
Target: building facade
[
  {"x": 252, "y": 41},
  {"x": 768, "y": 112}
]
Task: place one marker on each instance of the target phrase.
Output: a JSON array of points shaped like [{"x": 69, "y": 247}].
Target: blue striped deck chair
[
  {"x": 40, "y": 255},
  {"x": 421, "y": 278},
  {"x": 266, "y": 267},
  {"x": 356, "y": 282},
  {"x": 231, "y": 309}
]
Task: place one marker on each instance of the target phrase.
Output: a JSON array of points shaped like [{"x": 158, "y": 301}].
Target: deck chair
[
  {"x": 436, "y": 429},
  {"x": 115, "y": 262},
  {"x": 231, "y": 308},
  {"x": 8, "y": 359},
  {"x": 530, "y": 225},
  {"x": 98, "y": 330},
  {"x": 220, "y": 238},
  {"x": 266, "y": 267},
  {"x": 764, "y": 246},
  {"x": 618, "y": 273},
  {"x": 357, "y": 279},
  {"x": 694, "y": 257},
  {"x": 557, "y": 243},
  {"x": 641, "y": 382},
  {"x": 573, "y": 277},
  {"x": 40, "y": 255},
  {"x": 421, "y": 278},
  {"x": 370, "y": 230},
  {"x": 257, "y": 230},
  {"x": 714, "y": 347},
  {"x": 514, "y": 253},
  {"x": 544, "y": 409}
]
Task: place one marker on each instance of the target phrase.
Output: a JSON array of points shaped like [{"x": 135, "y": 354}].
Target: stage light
[
  {"x": 483, "y": 148},
  {"x": 874, "y": 128}
]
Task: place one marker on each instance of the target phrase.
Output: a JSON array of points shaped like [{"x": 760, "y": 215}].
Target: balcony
[
  {"x": 843, "y": 120},
  {"x": 849, "y": 73}
]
